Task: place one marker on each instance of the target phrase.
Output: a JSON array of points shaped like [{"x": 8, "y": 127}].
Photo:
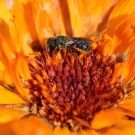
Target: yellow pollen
[{"x": 54, "y": 87}]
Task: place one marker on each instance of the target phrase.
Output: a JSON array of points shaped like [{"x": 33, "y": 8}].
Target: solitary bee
[{"x": 63, "y": 42}]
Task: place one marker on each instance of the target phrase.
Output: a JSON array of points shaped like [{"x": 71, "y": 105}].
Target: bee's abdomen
[{"x": 81, "y": 44}]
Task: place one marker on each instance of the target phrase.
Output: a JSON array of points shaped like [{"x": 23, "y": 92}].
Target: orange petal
[
  {"x": 8, "y": 58},
  {"x": 8, "y": 97},
  {"x": 60, "y": 131},
  {"x": 48, "y": 20},
  {"x": 104, "y": 118},
  {"x": 88, "y": 132},
  {"x": 6, "y": 37},
  {"x": 4, "y": 12},
  {"x": 128, "y": 107},
  {"x": 124, "y": 127},
  {"x": 42, "y": 21},
  {"x": 86, "y": 16},
  {"x": 4, "y": 76},
  {"x": 125, "y": 69},
  {"x": 30, "y": 126},
  {"x": 123, "y": 34},
  {"x": 121, "y": 10},
  {"x": 132, "y": 89},
  {"x": 65, "y": 17},
  {"x": 121, "y": 69},
  {"x": 66, "y": 131},
  {"x": 10, "y": 113},
  {"x": 107, "y": 46},
  {"x": 131, "y": 66},
  {"x": 22, "y": 28},
  {"x": 26, "y": 19},
  {"x": 22, "y": 67}
]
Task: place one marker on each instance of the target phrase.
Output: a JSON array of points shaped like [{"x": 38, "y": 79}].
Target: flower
[{"x": 64, "y": 88}]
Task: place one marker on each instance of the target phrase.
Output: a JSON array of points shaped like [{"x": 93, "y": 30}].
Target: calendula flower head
[
  {"x": 70, "y": 63},
  {"x": 68, "y": 92}
]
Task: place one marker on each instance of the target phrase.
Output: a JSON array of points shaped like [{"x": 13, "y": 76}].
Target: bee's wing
[
  {"x": 78, "y": 40},
  {"x": 82, "y": 40}
]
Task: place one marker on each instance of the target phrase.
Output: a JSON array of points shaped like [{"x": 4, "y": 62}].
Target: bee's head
[{"x": 51, "y": 44}]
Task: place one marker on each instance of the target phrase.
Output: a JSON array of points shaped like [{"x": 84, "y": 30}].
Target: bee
[{"x": 63, "y": 42}]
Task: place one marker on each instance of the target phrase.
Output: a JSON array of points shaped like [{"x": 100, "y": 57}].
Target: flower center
[{"x": 68, "y": 93}]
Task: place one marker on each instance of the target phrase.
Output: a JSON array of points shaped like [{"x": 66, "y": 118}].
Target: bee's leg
[
  {"x": 46, "y": 51},
  {"x": 67, "y": 51},
  {"x": 72, "y": 51},
  {"x": 57, "y": 50}
]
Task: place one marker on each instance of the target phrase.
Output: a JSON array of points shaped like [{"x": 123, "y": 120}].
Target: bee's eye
[{"x": 51, "y": 42}]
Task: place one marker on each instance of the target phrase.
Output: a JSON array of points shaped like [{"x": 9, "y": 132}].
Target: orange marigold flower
[{"x": 67, "y": 67}]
